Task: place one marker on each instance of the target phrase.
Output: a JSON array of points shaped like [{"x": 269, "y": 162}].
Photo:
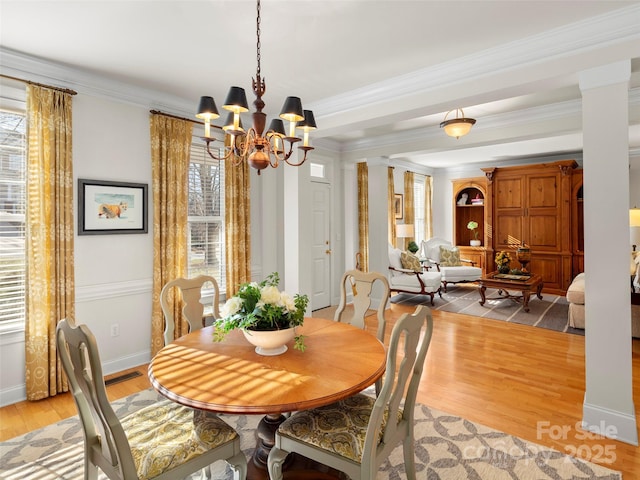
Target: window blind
[{"x": 12, "y": 219}]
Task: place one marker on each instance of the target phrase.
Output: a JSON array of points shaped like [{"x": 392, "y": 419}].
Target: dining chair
[
  {"x": 360, "y": 285},
  {"x": 163, "y": 441},
  {"x": 193, "y": 310},
  {"x": 357, "y": 434}
]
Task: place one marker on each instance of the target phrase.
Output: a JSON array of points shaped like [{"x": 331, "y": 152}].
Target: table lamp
[
  {"x": 404, "y": 230},
  {"x": 634, "y": 227}
]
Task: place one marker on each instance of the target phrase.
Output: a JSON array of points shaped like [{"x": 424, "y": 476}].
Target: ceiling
[{"x": 379, "y": 75}]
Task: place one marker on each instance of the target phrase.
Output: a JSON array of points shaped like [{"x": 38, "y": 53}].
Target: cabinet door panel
[
  {"x": 542, "y": 191},
  {"x": 543, "y": 232},
  {"x": 549, "y": 268},
  {"x": 509, "y": 193},
  {"x": 509, "y": 230}
]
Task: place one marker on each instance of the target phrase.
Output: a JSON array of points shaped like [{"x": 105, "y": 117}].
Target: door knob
[{"x": 328, "y": 252}]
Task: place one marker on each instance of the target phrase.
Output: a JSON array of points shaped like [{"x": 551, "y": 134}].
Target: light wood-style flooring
[{"x": 522, "y": 380}]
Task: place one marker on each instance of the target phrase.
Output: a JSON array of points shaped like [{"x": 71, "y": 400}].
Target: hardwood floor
[{"x": 522, "y": 380}]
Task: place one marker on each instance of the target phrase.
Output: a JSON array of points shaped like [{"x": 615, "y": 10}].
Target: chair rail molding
[{"x": 103, "y": 291}]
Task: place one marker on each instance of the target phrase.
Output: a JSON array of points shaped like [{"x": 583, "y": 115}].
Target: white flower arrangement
[{"x": 261, "y": 306}]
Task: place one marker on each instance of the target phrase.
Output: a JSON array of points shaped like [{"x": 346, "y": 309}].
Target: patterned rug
[
  {"x": 552, "y": 312},
  {"x": 446, "y": 448}
]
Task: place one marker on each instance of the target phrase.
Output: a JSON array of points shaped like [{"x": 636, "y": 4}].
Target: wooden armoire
[{"x": 537, "y": 205}]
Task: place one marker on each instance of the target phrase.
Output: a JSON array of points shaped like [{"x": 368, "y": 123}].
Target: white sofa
[
  {"x": 575, "y": 297},
  {"x": 416, "y": 281}
]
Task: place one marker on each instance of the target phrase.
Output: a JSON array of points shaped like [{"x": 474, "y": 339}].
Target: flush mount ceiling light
[
  {"x": 459, "y": 126},
  {"x": 259, "y": 148}
]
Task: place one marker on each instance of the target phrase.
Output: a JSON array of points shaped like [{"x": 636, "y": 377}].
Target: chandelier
[
  {"x": 259, "y": 148},
  {"x": 459, "y": 126}
]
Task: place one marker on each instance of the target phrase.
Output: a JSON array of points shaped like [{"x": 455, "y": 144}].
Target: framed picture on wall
[
  {"x": 106, "y": 207},
  {"x": 398, "y": 205}
]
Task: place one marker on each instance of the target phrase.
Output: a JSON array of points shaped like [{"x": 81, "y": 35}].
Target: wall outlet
[{"x": 115, "y": 329}]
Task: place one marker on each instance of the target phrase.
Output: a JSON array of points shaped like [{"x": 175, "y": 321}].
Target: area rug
[
  {"x": 552, "y": 312},
  {"x": 446, "y": 448}
]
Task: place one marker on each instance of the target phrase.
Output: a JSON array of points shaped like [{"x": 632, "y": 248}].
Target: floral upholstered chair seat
[
  {"x": 166, "y": 435},
  {"x": 340, "y": 427}
]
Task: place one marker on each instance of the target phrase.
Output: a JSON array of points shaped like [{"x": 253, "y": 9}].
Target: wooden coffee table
[{"x": 524, "y": 285}]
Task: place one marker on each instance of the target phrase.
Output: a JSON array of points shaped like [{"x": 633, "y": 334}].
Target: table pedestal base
[{"x": 296, "y": 466}]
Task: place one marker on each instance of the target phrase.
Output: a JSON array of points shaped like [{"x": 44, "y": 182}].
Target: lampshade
[
  {"x": 635, "y": 237},
  {"x": 404, "y": 230},
  {"x": 459, "y": 126},
  {"x": 236, "y": 100},
  {"x": 292, "y": 110},
  {"x": 634, "y": 227},
  {"x": 228, "y": 123},
  {"x": 277, "y": 127},
  {"x": 207, "y": 109},
  {"x": 309, "y": 122}
]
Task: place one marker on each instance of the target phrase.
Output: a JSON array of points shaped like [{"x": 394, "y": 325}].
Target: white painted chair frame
[
  {"x": 193, "y": 309},
  {"x": 105, "y": 442},
  {"x": 398, "y": 389}
]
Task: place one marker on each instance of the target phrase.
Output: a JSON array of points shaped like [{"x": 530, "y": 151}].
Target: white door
[{"x": 321, "y": 245}]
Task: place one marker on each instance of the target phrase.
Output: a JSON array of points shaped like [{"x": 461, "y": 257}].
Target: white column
[
  {"x": 378, "y": 226},
  {"x": 265, "y": 208},
  {"x": 298, "y": 227},
  {"x": 608, "y": 407},
  {"x": 350, "y": 226}
]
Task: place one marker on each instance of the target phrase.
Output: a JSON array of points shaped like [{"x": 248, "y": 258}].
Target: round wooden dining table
[{"x": 230, "y": 377}]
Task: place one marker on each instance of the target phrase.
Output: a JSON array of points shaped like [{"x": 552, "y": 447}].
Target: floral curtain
[
  {"x": 391, "y": 203},
  {"x": 237, "y": 226},
  {"x": 49, "y": 248},
  {"x": 170, "y": 156},
  {"x": 363, "y": 215},
  {"x": 409, "y": 213},
  {"x": 428, "y": 207}
]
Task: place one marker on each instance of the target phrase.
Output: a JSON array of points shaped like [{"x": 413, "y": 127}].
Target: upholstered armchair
[
  {"x": 411, "y": 277},
  {"x": 446, "y": 259}
]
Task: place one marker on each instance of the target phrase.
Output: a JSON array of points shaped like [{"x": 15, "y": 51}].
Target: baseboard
[
  {"x": 15, "y": 394},
  {"x": 18, "y": 393},
  {"x": 609, "y": 423}
]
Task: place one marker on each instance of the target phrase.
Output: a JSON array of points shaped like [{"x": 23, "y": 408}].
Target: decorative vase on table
[
  {"x": 270, "y": 342},
  {"x": 523, "y": 254},
  {"x": 475, "y": 243},
  {"x": 266, "y": 316},
  {"x": 504, "y": 268}
]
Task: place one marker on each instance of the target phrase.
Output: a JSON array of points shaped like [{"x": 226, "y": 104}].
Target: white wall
[{"x": 113, "y": 273}]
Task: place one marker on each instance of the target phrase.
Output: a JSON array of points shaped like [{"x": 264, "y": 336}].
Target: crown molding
[
  {"x": 26, "y": 67},
  {"x": 619, "y": 26}
]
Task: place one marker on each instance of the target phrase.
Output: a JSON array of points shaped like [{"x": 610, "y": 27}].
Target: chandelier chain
[{"x": 258, "y": 37}]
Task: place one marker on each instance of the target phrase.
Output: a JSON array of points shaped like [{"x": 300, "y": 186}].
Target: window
[
  {"x": 418, "y": 208},
  {"x": 206, "y": 217},
  {"x": 317, "y": 170},
  {"x": 12, "y": 219}
]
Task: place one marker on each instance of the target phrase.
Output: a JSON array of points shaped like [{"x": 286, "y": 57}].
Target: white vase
[
  {"x": 270, "y": 342},
  {"x": 475, "y": 243}
]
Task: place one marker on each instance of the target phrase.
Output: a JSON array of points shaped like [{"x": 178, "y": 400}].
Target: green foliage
[
  {"x": 413, "y": 247},
  {"x": 261, "y": 306}
]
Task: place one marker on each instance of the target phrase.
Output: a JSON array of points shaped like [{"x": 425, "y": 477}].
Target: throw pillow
[
  {"x": 449, "y": 256},
  {"x": 394, "y": 257},
  {"x": 410, "y": 262}
]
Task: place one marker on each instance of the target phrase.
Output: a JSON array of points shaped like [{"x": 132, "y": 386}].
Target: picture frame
[
  {"x": 398, "y": 205},
  {"x": 108, "y": 207}
]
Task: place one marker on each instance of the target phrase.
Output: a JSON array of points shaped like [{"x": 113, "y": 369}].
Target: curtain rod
[
  {"x": 158, "y": 112},
  {"x": 60, "y": 89}
]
